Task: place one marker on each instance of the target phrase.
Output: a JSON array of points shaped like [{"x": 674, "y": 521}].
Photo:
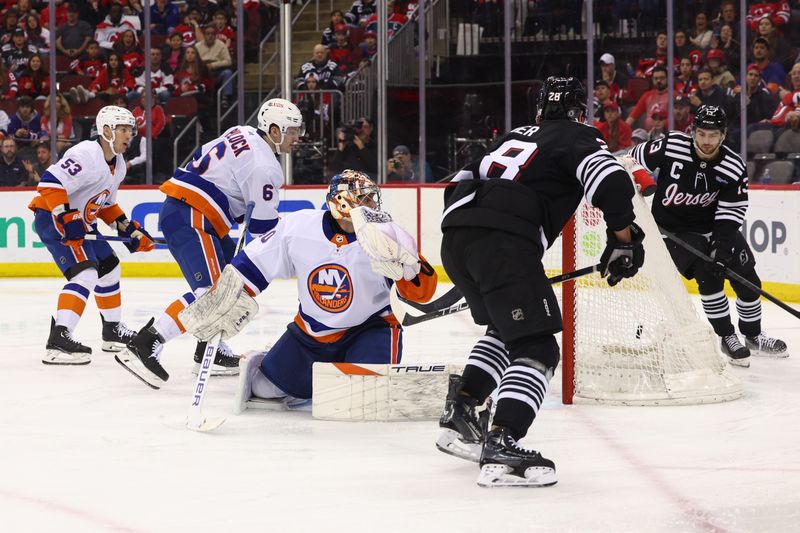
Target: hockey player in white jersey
[
  {"x": 204, "y": 199},
  {"x": 343, "y": 283},
  {"x": 72, "y": 194}
]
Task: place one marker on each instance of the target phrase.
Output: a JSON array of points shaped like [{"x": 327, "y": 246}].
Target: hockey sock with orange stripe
[
  {"x": 72, "y": 298},
  {"x": 108, "y": 297},
  {"x": 168, "y": 324}
]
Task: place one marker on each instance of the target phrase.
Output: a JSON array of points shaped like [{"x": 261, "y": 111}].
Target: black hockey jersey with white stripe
[
  {"x": 531, "y": 181},
  {"x": 708, "y": 197}
]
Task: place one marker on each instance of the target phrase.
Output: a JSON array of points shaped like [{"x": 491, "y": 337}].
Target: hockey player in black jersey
[
  {"x": 501, "y": 213},
  {"x": 701, "y": 197}
]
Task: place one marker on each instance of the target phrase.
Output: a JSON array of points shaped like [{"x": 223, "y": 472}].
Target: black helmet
[
  {"x": 711, "y": 117},
  {"x": 561, "y": 98}
]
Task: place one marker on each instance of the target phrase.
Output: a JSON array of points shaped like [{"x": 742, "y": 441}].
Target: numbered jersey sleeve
[
  {"x": 650, "y": 154},
  {"x": 733, "y": 197},
  {"x": 265, "y": 258}
]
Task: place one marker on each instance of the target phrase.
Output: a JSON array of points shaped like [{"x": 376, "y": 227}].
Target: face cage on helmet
[{"x": 340, "y": 202}]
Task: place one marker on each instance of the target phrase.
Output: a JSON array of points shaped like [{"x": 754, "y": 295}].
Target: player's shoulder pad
[{"x": 732, "y": 165}]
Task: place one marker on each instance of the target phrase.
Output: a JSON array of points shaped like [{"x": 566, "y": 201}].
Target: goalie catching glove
[
  {"x": 622, "y": 259},
  {"x": 391, "y": 250},
  {"x": 226, "y": 308}
]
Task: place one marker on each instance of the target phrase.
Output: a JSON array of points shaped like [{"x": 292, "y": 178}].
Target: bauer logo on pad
[{"x": 331, "y": 288}]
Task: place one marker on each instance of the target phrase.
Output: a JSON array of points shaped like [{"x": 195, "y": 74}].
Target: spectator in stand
[
  {"x": 682, "y": 46},
  {"x": 225, "y": 33},
  {"x": 74, "y": 36},
  {"x": 24, "y": 9},
  {"x": 616, "y": 132},
  {"x": 682, "y": 115},
  {"x": 172, "y": 52},
  {"x": 794, "y": 81},
  {"x": 136, "y": 155},
  {"x": 108, "y": 31},
  {"x": 729, "y": 46},
  {"x": 36, "y": 169},
  {"x": 9, "y": 87},
  {"x": 701, "y": 33},
  {"x": 114, "y": 79},
  {"x": 657, "y": 95},
  {"x": 129, "y": 52},
  {"x": 715, "y": 61},
  {"x": 787, "y": 115},
  {"x": 327, "y": 71},
  {"x": 658, "y": 115},
  {"x": 761, "y": 106},
  {"x": 192, "y": 79},
  {"x": 602, "y": 96},
  {"x": 708, "y": 93},
  {"x": 12, "y": 170},
  {"x": 403, "y": 168},
  {"x": 217, "y": 58},
  {"x": 25, "y": 125},
  {"x": 205, "y": 9},
  {"x": 66, "y": 134},
  {"x": 10, "y": 24},
  {"x": 90, "y": 64},
  {"x": 360, "y": 11},
  {"x": 645, "y": 66},
  {"x": 685, "y": 81},
  {"x": 250, "y": 25},
  {"x": 617, "y": 81},
  {"x": 161, "y": 78},
  {"x": 38, "y": 36},
  {"x": 778, "y": 12},
  {"x": 396, "y": 19},
  {"x": 780, "y": 51},
  {"x": 18, "y": 52},
  {"x": 639, "y": 136},
  {"x": 356, "y": 149},
  {"x": 346, "y": 56},
  {"x": 61, "y": 13},
  {"x": 368, "y": 47},
  {"x": 189, "y": 28},
  {"x": 314, "y": 107},
  {"x": 164, "y": 16},
  {"x": 34, "y": 81},
  {"x": 771, "y": 72},
  {"x": 94, "y": 12},
  {"x": 337, "y": 17},
  {"x": 727, "y": 17}
]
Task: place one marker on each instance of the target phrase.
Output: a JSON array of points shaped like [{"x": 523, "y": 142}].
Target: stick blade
[{"x": 206, "y": 425}]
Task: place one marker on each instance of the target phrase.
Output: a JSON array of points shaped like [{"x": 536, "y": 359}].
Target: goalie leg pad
[
  {"x": 249, "y": 367},
  {"x": 226, "y": 308}
]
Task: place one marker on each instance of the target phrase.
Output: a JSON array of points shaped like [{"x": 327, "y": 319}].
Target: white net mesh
[{"x": 641, "y": 342}]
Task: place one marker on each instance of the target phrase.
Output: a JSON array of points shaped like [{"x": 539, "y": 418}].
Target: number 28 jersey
[
  {"x": 226, "y": 174},
  {"x": 531, "y": 181}
]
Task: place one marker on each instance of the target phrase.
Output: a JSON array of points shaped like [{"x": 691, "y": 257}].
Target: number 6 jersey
[{"x": 531, "y": 181}]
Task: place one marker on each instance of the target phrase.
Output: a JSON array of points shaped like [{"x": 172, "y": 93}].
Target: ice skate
[
  {"x": 63, "y": 349},
  {"x": 462, "y": 434},
  {"x": 225, "y": 362},
  {"x": 140, "y": 357},
  {"x": 766, "y": 346},
  {"x": 116, "y": 336},
  {"x": 248, "y": 366},
  {"x": 737, "y": 354},
  {"x": 504, "y": 463}
]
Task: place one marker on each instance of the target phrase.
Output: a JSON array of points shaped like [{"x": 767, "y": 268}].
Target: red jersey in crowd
[
  {"x": 186, "y": 84},
  {"x": 790, "y": 102},
  {"x": 120, "y": 84},
  {"x": 87, "y": 66},
  {"x": 187, "y": 34},
  {"x": 133, "y": 60},
  {"x": 778, "y": 12},
  {"x": 10, "y": 85},
  {"x": 33, "y": 87},
  {"x": 63, "y": 130}
]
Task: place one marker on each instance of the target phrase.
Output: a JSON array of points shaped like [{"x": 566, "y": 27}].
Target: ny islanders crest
[{"x": 331, "y": 287}]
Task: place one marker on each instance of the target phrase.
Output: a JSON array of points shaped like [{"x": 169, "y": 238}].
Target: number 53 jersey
[
  {"x": 227, "y": 173},
  {"x": 531, "y": 181},
  {"x": 84, "y": 179}
]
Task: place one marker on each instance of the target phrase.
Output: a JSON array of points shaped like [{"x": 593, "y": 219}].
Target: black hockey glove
[
  {"x": 722, "y": 254},
  {"x": 622, "y": 259}
]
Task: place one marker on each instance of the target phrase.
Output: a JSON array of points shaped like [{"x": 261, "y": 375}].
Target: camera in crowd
[{"x": 349, "y": 131}]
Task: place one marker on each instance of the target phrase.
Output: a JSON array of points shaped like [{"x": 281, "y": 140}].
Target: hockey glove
[
  {"x": 645, "y": 183},
  {"x": 722, "y": 254},
  {"x": 391, "y": 250},
  {"x": 73, "y": 228},
  {"x": 622, "y": 259},
  {"x": 141, "y": 241}
]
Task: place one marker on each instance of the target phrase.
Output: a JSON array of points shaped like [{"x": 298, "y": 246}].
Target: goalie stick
[
  {"x": 196, "y": 421},
  {"x": 409, "y": 320},
  {"x": 111, "y": 238},
  {"x": 730, "y": 273}
]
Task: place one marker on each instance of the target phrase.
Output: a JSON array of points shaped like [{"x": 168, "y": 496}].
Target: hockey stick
[
  {"x": 409, "y": 320},
  {"x": 444, "y": 301},
  {"x": 111, "y": 238},
  {"x": 730, "y": 273},
  {"x": 196, "y": 420}
]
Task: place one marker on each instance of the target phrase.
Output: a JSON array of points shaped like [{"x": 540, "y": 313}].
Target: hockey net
[{"x": 641, "y": 342}]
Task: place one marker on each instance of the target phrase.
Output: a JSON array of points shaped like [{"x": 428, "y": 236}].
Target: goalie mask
[{"x": 349, "y": 190}]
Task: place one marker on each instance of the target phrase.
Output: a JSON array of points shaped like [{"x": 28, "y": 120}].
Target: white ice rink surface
[{"x": 92, "y": 449}]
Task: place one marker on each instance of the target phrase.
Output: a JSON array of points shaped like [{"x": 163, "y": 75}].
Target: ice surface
[{"x": 93, "y": 449}]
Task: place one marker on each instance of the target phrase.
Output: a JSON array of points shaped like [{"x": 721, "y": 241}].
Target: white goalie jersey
[{"x": 337, "y": 288}]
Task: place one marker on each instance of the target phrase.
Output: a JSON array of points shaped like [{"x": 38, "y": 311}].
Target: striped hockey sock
[
  {"x": 107, "y": 296},
  {"x": 485, "y": 366},
  {"x": 522, "y": 392},
  {"x": 749, "y": 317},
  {"x": 72, "y": 298},
  {"x": 718, "y": 312},
  {"x": 168, "y": 324}
]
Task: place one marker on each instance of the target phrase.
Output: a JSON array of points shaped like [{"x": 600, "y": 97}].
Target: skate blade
[
  {"x": 275, "y": 404},
  {"x": 132, "y": 364},
  {"x": 112, "y": 347},
  {"x": 217, "y": 370},
  {"x": 450, "y": 443},
  {"x": 208, "y": 424},
  {"x": 57, "y": 357},
  {"x": 495, "y": 475},
  {"x": 743, "y": 362},
  {"x": 769, "y": 355}
]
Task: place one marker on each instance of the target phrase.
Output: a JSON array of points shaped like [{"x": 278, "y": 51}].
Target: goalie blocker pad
[{"x": 349, "y": 391}]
